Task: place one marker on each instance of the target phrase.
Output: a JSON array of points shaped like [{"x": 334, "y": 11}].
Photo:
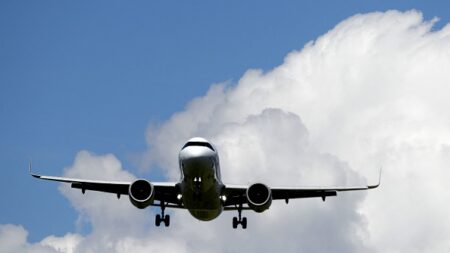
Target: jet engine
[
  {"x": 259, "y": 197},
  {"x": 141, "y": 193}
]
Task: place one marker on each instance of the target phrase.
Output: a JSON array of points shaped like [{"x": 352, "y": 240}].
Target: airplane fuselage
[{"x": 200, "y": 182}]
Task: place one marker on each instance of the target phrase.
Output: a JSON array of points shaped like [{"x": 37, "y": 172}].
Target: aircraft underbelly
[
  {"x": 204, "y": 206},
  {"x": 205, "y": 215}
]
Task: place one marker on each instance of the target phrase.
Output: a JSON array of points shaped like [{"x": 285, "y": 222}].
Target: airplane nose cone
[
  {"x": 196, "y": 159},
  {"x": 198, "y": 162}
]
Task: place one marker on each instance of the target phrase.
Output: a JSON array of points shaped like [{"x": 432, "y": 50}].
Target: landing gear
[
  {"x": 197, "y": 186},
  {"x": 162, "y": 217},
  {"x": 240, "y": 220},
  {"x": 165, "y": 219}
]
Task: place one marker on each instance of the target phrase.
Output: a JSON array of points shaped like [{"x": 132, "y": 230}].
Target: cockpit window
[{"x": 197, "y": 143}]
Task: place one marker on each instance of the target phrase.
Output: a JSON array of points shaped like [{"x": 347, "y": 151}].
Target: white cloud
[
  {"x": 67, "y": 243},
  {"x": 372, "y": 91},
  {"x": 14, "y": 239},
  {"x": 103, "y": 211}
]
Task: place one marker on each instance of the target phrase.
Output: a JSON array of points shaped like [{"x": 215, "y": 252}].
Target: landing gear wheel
[
  {"x": 235, "y": 222},
  {"x": 244, "y": 223},
  {"x": 167, "y": 220},
  {"x": 158, "y": 220}
]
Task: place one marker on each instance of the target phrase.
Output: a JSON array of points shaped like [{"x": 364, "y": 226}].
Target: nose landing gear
[{"x": 197, "y": 186}]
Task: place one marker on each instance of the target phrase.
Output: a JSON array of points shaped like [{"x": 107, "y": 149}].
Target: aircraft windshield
[{"x": 202, "y": 144}]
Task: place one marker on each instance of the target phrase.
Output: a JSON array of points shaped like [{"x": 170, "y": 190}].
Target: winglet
[
  {"x": 379, "y": 181},
  {"x": 30, "y": 166}
]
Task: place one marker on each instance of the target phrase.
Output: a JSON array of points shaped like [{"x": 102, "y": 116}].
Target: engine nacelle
[
  {"x": 141, "y": 193},
  {"x": 259, "y": 197}
]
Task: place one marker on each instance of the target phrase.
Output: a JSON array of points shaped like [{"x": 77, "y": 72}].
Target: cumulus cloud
[
  {"x": 14, "y": 239},
  {"x": 372, "y": 91},
  {"x": 102, "y": 212}
]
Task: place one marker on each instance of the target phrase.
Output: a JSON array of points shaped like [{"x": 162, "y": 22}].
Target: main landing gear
[
  {"x": 162, "y": 217},
  {"x": 240, "y": 220}
]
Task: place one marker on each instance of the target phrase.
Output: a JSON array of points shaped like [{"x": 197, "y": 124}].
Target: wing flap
[
  {"x": 121, "y": 189},
  {"x": 287, "y": 194}
]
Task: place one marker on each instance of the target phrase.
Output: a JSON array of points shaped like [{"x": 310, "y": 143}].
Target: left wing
[
  {"x": 236, "y": 194},
  {"x": 164, "y": 191}
]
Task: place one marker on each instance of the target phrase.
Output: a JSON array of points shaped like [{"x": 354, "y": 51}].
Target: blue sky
[{"x": 92, "y": 75}]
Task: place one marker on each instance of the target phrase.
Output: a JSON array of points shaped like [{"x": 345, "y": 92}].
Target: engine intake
[
  {"x": 141, "y": 193},
  {"x": 259, "y": 197}
]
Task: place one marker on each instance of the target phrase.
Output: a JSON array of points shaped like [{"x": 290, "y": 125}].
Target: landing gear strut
[
  {"x": 240, "y": 220},
  {"x": 162, "y": 217}
]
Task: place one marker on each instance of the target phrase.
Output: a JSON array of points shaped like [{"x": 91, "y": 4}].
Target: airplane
[{"x": 200, "y": 189}]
